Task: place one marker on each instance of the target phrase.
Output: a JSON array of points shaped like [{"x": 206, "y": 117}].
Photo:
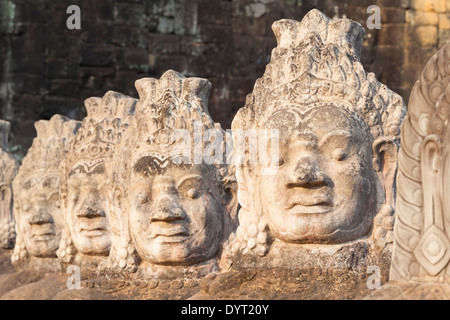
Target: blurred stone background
[{"x": 47, "y": 68}]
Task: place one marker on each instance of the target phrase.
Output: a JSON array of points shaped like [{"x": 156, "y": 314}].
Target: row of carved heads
[{"x": 117, "y": 191}]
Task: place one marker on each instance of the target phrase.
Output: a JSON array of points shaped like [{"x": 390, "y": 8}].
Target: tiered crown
[
  {"x": 170, "y": 103},
  {"x": 317, "y": 61},
  {"x": 102, "y": 128},
  {"x": 50, "y": 145}
]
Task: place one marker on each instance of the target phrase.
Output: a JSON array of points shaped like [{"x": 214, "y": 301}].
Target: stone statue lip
[
  {"x": 44, "y": 235},
  {"x": 310, "y": 205},
  {"x": 318, "y": 208},
  {"x": 43, "y": 232},
  {"x": 94, "y": 232},
  {"x": 94, "y": 227},
  {"x": 166, "y": 232}
]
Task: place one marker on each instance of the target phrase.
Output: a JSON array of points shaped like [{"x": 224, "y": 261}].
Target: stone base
[
  {"x": 411, "y": 291},
  {"x": 284, "y": 284}
]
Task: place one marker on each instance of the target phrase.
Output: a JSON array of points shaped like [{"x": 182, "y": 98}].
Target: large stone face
[
  {"x": 338, "y": 130},
  {"x": 8, "y": 170},
  {"x": 37, "y": 209},
  {"x": 420, "y": 262},
  {"x": 179, "y": 208}
]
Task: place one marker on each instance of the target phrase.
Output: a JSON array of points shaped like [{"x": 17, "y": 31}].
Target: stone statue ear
[
  {"x": 385, "y": 156},
  {"x": 431, "y": 157},
  {"x": 117, "y": 196}
]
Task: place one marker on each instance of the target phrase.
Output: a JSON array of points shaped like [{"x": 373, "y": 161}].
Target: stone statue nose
[
  {"x": 41, "y": 217},
  {"x": 90, "y": 209},
  {"x": 307, "y": 174},
  {"x": 167, "y": 210}
]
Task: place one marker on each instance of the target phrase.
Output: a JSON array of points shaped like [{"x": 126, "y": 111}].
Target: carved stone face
[
  {"x": 88, "y": 215},
  {"x": 175, "y": 212},
  {"x": 324, "y": 190},
  {"x": 40, "y": 219}
]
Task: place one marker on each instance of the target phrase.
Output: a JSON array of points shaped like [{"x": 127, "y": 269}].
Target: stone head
[
  {"x": 37, "y": 205},
  {"x": 86, "y": 202},
  {"x": 338, "y": 131},
  {"x": 181, "y": 204}
]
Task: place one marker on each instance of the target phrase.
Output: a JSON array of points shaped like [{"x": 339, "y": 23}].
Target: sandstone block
[{"x": 427, "y": 36}]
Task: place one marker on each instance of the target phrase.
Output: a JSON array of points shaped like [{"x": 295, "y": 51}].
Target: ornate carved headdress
[
  {"x": 422, "y": 238},
  {"x": 44, "y": 156},
  {"x": 170, "y": 103},
  {"x": 8, "y": 170},
  {"x": 102, "y": 127},
  {"x": 316, "y": 62}
]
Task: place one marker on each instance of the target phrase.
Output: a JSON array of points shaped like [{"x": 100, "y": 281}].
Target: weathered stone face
[
  {"x": 40, "y": 220},
  {"x": 88, "y": 208},
  {"x": 175, "y": 216},
  {"x": 324, "y": 190},
  {"x": 37, "y": 206}
]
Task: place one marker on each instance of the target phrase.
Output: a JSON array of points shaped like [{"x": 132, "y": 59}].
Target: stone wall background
[{"x": 47, "y": 68}]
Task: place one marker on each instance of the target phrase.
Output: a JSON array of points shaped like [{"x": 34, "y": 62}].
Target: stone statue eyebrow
[
  {"x": 332, "y": 134},
  {"x": 150, "y": 166},
  {"x": 84, "y": 168}
]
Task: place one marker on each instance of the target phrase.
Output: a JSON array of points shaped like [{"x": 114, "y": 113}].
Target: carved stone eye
[
  {"x": 26, "y": 207},
  {"x": 192, "y": 193},
  {"x": 339, "y": 154}
]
